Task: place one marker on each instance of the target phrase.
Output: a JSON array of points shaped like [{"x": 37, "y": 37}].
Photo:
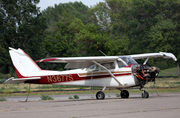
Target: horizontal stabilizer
[{"x": 17, "y": 81}]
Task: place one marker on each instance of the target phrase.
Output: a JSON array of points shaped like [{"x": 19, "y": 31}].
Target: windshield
[{"x": 128, "y": 60}]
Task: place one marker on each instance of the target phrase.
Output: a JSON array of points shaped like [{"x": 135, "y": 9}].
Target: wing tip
[{"x": 170, "y": 55}]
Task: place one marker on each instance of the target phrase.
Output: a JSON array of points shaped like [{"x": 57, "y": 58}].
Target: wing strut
[
  {"x": 146, "y": 61},
  {"x": 108, "y": 72}
]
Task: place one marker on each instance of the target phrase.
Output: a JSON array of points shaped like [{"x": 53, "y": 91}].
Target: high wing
[
  {"x": 106, "y": 58},
  {"x": 79, "y": 62},
  {"x": 160, "y": 54},
  {"x": 79, "y": 59},
  {"x": 85, "y": 62}
]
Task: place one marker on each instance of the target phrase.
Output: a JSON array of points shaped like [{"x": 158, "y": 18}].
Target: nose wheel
[{"x": 145, "y": 94}]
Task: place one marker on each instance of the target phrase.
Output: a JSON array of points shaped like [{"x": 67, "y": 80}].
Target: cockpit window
[
  {"x": 128, "y": 60},
  {"x": 121, "y": 64},
  {"x": 109, "y": 65},
  {"x": 93, "y": 67}
]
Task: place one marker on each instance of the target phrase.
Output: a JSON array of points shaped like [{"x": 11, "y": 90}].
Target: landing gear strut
[
  {"x": 145, "y": 94},
  {"x": 100, "y": 95},
  {"x": 124, "y": 94}
]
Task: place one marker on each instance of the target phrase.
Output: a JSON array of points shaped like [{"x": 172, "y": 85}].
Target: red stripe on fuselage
[
  {"x": 70, "y": 78},
  {"x": 128, "y": 66}
]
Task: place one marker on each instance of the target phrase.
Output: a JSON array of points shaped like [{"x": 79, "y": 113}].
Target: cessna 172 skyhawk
[{"x": 119, "y": 72}]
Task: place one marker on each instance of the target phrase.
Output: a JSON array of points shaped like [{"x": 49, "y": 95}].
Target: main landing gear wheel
[
  {"x": 124, "y": 94},
  {"x": 145, "y": 94},
  {"x": 100, "y": 95}
]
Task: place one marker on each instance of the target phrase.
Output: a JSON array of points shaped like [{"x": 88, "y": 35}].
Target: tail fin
[{"x": 24, "y": 65}]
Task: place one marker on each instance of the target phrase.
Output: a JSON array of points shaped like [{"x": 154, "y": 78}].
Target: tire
[
  {"x": 145, "y": 95},
  {"x": 100, "y": 95},
  {"x": 124, "y": 94}
]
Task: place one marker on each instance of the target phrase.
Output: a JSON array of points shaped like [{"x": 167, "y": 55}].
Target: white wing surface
[
  {"x": 79, "y": 62},
  {"x": 79, "y": 59},
  {"x": 160, "y": 54},
  {"x": 84, "y": 62}
]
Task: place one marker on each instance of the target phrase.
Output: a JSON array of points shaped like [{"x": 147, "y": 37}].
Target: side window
[
  {"x": 109, "y": 65},
  {"x": 121, "y": 64},
  {"x": 93, "y": 67}
]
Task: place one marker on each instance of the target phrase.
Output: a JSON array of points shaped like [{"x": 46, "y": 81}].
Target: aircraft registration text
[{"x": 59, "y": 78}]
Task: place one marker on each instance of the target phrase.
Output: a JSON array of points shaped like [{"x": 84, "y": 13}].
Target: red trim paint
[
  {"x": 18, "y": 73},
  {"x": 130, "y": 65},
  {"x": 46, "y": 60}
]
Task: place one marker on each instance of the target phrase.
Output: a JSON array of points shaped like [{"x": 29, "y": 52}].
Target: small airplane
[{"x": 119, "y": 72}]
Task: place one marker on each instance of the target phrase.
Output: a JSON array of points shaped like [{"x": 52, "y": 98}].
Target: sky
[{"x": 46, "y": 3}]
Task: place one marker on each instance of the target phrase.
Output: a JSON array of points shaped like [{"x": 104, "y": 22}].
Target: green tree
[
  {"x": 21, "y": 27},
  {"x": 139, "y": 26},
  {"x": 112, "y": 17},
  {"x": 60, "y": 41},
  {"x": 91, "y": 39},
  {"x": 76, "y": 9},
  {"x": 155, "y": 26},
  {"x": 64, "y": 21}
]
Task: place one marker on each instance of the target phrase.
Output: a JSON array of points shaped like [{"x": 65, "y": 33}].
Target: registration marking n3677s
[{"x": 59, "y": 78}]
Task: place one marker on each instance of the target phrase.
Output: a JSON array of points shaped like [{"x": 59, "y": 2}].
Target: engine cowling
[{"x": 144, "y": 73}]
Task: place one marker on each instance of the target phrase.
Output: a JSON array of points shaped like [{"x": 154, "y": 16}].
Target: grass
[
  {"x": 76, "y": 97},
  {"x": 169, "y": 72},
  {"x": 46, "y": 97},
  {"x": 7, "y": 92},
  {"x": 70, "y": 97},
  {"x": 3, "y": 99},
  {"x": 117, "y": 95}
]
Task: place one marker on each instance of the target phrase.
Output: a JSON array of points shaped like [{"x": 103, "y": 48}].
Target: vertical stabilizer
[{"x": 24, "y": 65}]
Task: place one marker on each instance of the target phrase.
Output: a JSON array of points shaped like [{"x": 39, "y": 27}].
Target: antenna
[{"x": 102, "y": 53}]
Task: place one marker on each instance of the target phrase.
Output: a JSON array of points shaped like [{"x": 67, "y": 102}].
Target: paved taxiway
[{"x": 167, "y": 105}]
